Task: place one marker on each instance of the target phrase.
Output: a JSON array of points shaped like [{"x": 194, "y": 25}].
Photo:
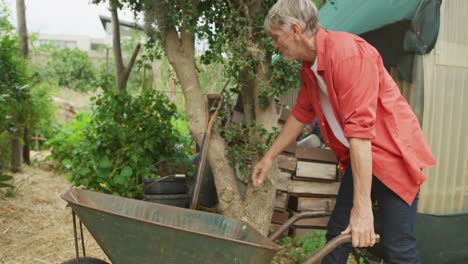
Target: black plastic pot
[
  {"x": 178, "y": 200},
  {"x": 165, "y": 185}
]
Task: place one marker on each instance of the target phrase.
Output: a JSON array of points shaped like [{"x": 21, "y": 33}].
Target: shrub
[
  {"x": 120, "y": 143},
  {"x": 72, "y": 68},
  {"x": 304, "y": 246}
]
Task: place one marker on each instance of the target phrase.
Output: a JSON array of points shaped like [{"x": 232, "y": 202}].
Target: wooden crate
[
  {"x": 308, "y": 188},
  {"x": 315, "y": 154},
  {"x": 309, "y": 170},
  {"x": 280, "y": 216},
  {"x": 301, "y": 203},
  {"x": 286, "y": 163}
]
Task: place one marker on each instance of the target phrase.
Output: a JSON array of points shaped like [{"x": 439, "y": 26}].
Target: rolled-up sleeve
[
  {"x": 356, "y": 84},
  {"x": 303, "y": 110}
]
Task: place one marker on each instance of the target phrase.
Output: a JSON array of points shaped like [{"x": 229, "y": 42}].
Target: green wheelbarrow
[{"x": 132, "y": 231}]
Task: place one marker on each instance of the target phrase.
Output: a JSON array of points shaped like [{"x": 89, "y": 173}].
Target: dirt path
[{"x": 35, "y": 224}]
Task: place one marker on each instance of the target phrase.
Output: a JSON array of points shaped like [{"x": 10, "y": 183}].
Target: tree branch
[
  {"x": 128, "y": 70},
  {"x": 117, "y": 49}
]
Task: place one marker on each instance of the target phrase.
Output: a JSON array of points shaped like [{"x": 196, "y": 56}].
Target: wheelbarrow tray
[{"x": 133, "y": 231}]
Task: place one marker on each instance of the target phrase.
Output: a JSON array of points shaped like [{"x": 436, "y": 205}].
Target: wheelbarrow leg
[
  {"x": 82, "y": 239},
  {"x": 76, "y": 238}
]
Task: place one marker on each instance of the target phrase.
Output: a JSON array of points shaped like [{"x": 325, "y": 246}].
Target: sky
[{"x": 69, "y": 17}]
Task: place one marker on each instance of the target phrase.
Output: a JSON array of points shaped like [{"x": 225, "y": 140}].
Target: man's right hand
[{"x": 260, "y": 170}]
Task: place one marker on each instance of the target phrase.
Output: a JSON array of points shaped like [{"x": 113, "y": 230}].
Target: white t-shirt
[{"x": 327, "y": 109}]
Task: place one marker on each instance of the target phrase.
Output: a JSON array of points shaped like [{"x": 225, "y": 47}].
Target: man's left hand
[{"x": 361, "y": 227}]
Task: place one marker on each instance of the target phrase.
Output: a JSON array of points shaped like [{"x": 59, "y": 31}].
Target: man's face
[{"x": 284, "y": 43}]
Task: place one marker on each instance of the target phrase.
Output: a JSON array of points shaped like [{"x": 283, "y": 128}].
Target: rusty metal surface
[{"x": 132, "y": 231}]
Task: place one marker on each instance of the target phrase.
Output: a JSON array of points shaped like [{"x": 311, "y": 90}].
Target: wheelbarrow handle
[
  {"x": 294, "y": 219},
  {"x": 330, "y": 246}
]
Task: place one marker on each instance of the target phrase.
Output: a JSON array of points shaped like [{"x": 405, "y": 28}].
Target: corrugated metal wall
[
  {"x": 289, "y": 98},
  {"x": 445, "y": 121}
]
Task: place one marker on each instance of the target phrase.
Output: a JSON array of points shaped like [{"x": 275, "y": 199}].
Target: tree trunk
[
  {"x": 181, "y": 55},
  {"x": 16, "y": 151},
  {"x": 22, "y": 29},
  {"x": 256, "y": 207},
  {"x": 26, "y": 147},
  {"x": 122, "y": 73},
  {"x": 23, "y": 37}
]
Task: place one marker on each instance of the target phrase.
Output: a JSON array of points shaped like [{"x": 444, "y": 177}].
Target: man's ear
[{"x": 296, "y": 29}]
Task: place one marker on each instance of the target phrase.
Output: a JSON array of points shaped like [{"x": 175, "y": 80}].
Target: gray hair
[{"x": 287, "y": 12}]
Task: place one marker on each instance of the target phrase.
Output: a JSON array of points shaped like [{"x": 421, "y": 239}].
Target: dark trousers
[{"x": 396, "y": 217}]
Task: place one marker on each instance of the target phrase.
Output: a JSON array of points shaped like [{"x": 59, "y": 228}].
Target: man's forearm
[
  {"x": 288, "y": 134},
  {"x": 361, "y": 163}
]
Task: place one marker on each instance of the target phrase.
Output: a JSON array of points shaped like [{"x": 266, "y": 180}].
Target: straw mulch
[{"x": 35, "y": 224}]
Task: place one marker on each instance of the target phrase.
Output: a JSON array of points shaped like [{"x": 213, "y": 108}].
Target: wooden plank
[
  {"x": 315, "y": 170},
  {"x": 281, "y": 200},
  {"x": 280, "y": 216},
  {"x": 287, "y": 163},
  {"x": 315, "y": 204},
  {"x": 313, "y": 188},
  {"x": 291, "y": 149},
  {"x": 315, "y": 154},
  {"x": 314, "y": 222}
]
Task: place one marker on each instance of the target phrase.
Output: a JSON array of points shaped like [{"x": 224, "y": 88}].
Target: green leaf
[
  {"x": 6, "y": 185},
  {"x": 5, "y": 178},
  {"x": 105, "y": 163},
  {"x": 126, "y": 172},
  {"x": 119, "y": 179},
  {"x": 84, "y": 171}
]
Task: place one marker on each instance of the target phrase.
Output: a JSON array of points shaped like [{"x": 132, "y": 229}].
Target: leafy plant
[
  {"x": 71, "y": 67},
  {"x": 241, "y": 150},
  {"x": 303, "y": 246},
  {"x": 120, "y": 143}
]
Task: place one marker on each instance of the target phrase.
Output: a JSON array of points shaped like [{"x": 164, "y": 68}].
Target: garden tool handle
[
  {"x": 294, "y": 219},
  {"x": 330, "y": 246},
  {"x": 205, "y": 143}
]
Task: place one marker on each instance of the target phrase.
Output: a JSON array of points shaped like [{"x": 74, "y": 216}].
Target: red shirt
[{"x": 367, "y": 104}]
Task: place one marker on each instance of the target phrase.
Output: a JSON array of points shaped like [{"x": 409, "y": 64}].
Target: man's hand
[
  {"x": 260, "y": 171},
  {"x": 361, "y": 226}
]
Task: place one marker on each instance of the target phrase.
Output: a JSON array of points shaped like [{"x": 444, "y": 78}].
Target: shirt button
[{"x": 323, "y": 124}]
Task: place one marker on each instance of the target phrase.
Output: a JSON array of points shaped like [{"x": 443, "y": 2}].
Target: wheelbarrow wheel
[{"x": 85, "y": 260}]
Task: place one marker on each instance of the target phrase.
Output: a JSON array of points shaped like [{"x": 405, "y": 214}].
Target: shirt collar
[{"x": 320, "y": 39}]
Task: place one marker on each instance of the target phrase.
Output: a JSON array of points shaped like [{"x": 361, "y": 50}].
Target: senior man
[{"x": 364, "y": 119}]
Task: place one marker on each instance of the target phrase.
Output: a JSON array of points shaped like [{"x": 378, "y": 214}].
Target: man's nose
[{"x": 275, "y": 44}]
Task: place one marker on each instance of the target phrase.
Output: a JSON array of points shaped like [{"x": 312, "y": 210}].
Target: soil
[{"x": 35, "y": 224}]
